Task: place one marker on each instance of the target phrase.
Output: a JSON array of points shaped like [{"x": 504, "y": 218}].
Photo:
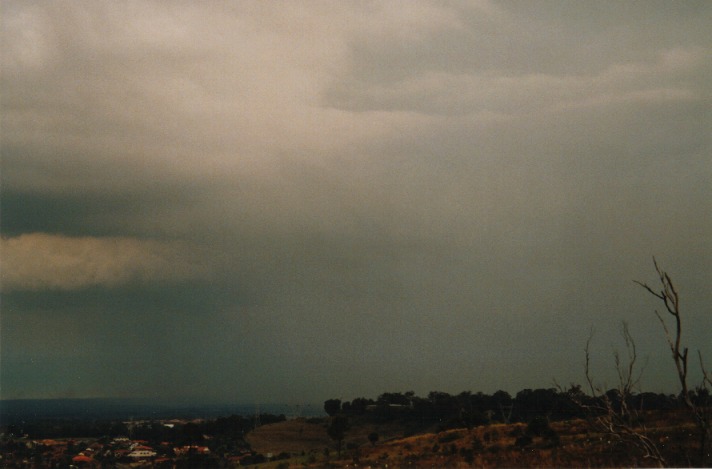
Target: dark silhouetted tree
[
  {"x": 373, "y": 438},
  {"x": 332, "y": 406},
  {"x": 337, "y": 431}
]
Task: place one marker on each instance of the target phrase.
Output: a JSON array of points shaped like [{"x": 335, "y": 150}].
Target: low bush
[{"x": 448, "y": 437}]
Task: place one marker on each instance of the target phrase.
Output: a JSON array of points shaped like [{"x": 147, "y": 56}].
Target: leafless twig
[
  {"x": 618, "y": 418},
  {"x": 700, "y": 411}
]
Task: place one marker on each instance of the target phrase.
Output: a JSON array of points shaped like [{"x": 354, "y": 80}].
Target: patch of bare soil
[{"x": 291, "y": 436}]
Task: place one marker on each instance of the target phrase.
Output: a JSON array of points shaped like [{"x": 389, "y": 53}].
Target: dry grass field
[
  {"x": 291, "y": 436},
  {"x": 574, "y": 444}
]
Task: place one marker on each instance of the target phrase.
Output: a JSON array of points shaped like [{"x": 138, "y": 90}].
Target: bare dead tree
[
  {"x": 506, "y": 412},
  {"x": 700, "y": 410},
  {"x": 613, "y": 412},
  {"x": 706, "y": 376}
]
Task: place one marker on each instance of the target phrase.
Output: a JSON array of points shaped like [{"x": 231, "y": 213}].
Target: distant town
[{"x": 198, "y": 442}]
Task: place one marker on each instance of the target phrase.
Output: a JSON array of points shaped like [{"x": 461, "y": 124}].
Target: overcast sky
[{"x": 294, "y": 201}]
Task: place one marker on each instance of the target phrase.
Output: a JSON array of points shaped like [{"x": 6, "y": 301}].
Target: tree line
[
  {"x": 468, "y": 409},
  {"x": 189, "y": 432},
  {"x": 617, "y": 412}
]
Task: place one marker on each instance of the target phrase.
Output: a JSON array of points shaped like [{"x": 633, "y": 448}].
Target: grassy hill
[{"x": 571, "y": 443}]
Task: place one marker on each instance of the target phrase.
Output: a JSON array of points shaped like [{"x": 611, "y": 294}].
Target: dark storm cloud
[
  {"x": 88, "y": 213},
  {"x": 97, "y": 339},
  {"x": 239, "y": 201}
]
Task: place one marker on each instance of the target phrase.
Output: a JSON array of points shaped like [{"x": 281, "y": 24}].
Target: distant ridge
[{"x": 17, "y": 410}]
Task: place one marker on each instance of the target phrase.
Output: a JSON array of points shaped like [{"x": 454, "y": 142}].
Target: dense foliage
[{"x": 468, "y": 409}]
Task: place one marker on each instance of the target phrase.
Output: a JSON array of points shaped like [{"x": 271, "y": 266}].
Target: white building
[{"x": 142, "y": 453}]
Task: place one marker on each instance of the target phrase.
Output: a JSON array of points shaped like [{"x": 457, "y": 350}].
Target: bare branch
[
  {"x": 668, "y": 294},
  {"x": 706, "y": 376},
  {"x": 587, "y": 368},
  {"x": 700, "y": 411},
  {"x": 614, "y": 415},
  {"x": 667, "y": 332},
  {"x": 652, "y": 292}
]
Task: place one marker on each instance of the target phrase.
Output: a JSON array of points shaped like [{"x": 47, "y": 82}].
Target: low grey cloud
[{"x": 308, "y": 200}]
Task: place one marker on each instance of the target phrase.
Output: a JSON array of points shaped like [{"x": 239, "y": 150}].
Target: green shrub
[
  {"x": 524, "y": 440},
  {"x": 477, "y": 445},
  {"x": 538, "y": 426},
  {"x": 494, "y": 449}
]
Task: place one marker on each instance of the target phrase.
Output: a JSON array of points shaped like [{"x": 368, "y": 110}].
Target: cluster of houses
[{"x": 87, "y": 454}]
